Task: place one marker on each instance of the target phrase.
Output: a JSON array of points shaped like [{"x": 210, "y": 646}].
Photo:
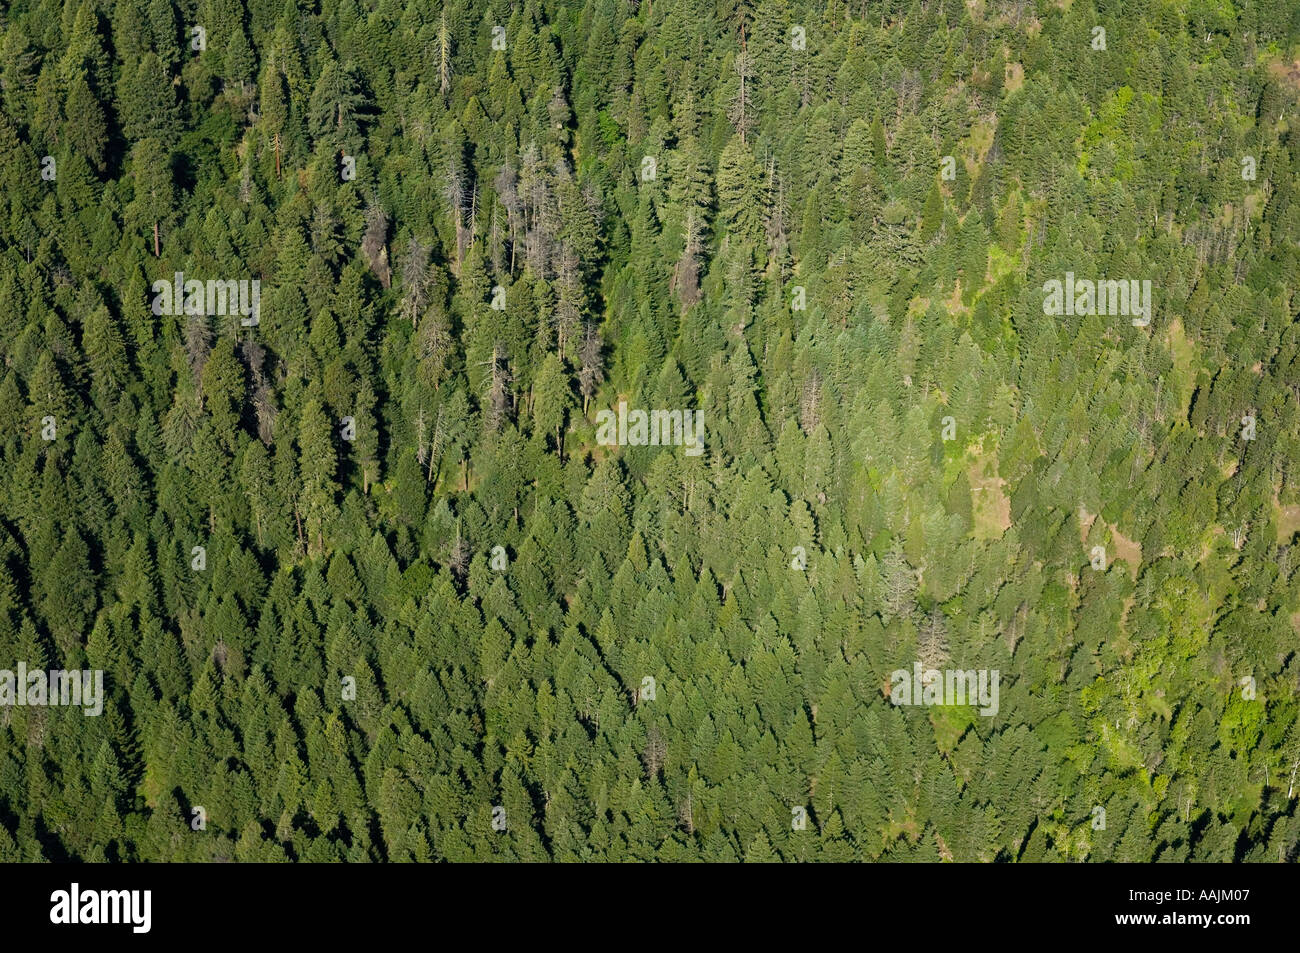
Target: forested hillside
[{"x": 367, "y": 583}]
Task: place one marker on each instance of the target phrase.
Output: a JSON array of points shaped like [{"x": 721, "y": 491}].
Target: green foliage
[{"x": 436, "y": 618}]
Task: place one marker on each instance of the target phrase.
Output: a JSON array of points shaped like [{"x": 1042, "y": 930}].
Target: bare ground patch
[
  {"x": 1086, "y": 520},
  {"x": 1126, "y": 549},
  {"x": 990, "y": 504},
  {"x": 953, "y": 302},
  {"x": 1184, "y": 354},
  {"x": 1288, "y": 73},
  {"x": 1288, "y": 520},
  {"x": 1014, "y": 77},
  {"x": 1121, "y": 547}
]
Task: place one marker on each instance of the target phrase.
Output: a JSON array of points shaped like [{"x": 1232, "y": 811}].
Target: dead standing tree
[
  {"x": 415, "y": 280},
  {"x": 374, "y": 243},
  {"x": 592, "y": 365}
]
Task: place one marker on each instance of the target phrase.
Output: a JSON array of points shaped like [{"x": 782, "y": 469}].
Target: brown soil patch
[
  {"x": 1288, "y": 520},
  {"x": 1126, "y": 549},
  {"x": 1014, "y": 77},
  {"x": 1119, "y": 547},
  {"x": 990, "y": 504},
  {"x": 1287, "y": 73}
]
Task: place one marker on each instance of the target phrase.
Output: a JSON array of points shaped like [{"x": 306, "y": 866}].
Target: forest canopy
[{"x": 546, "y": 429}]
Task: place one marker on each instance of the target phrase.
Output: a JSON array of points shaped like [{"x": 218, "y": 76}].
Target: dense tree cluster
[{"x": 426, "y": 633}]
